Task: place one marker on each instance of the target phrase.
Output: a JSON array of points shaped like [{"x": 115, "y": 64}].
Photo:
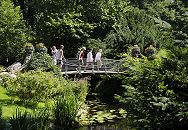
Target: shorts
[{"x": 99, "y": 63}]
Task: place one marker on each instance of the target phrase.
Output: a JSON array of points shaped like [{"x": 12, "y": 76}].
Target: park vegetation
[{"x": 155, "y": 89}]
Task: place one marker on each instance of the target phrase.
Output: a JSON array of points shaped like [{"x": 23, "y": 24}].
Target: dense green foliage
[
  {"x": 41, "y": 60},
  {"x": 41, "y": 86},
  {"x": 61, "y": 116},
  {"x": 156, "y": 88},
  {"x": 13, "y": 32},
  {"x": 114, "y": 24},
  {"x": 155, "y": 93},
  {"x": 53, "y": 101},
  {"x": 131, "y": 31}
]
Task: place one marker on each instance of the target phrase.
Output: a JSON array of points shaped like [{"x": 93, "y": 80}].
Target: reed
[
  {"x": 27, "y": 121},
  {"x": 65, "y": 111}
]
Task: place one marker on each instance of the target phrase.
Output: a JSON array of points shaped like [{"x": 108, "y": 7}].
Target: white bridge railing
[{"x": 108, "y": 66}]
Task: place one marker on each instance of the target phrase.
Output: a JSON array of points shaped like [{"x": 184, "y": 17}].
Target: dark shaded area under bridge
[{"x": 109, "y": 66}]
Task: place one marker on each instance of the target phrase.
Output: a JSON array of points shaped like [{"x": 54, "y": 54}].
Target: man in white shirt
[
  {"x": 98, "y": 59},
  {"x": 60, "y": 57}
]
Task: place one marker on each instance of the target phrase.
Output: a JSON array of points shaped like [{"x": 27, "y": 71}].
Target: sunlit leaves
[
  {"x": 13, "y": 32},
  {"x": 154, "y": 91}
]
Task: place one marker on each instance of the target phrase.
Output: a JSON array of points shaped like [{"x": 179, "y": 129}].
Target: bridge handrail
[{"x": 107, "y": 65}]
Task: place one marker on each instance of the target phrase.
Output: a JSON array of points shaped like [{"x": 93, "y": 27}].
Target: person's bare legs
[{"x": 87, "y": 65}]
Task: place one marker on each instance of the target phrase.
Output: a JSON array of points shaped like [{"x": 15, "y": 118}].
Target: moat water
[{"x": 107, "y": 116}]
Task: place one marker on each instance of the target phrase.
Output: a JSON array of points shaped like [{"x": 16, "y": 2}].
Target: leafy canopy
[{"x": 13, "y": 32}]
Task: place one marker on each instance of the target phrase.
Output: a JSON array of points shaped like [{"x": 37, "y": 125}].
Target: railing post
[
  {"x": 66, "y": 68},
  {"x": 79, "y": 68},
  {"x": 105, "y": 66},
  {"x": 92, "y": 67}
]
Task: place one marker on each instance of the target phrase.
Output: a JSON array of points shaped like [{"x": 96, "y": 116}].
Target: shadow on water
[{"x": 104, "y": 111}]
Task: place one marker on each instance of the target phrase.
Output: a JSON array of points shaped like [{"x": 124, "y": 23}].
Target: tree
[
  {"x": 136, "y": 27},
  {"x": 171, "y": 16},
  {"x": 13, "y": 33},
  {"x": 156, "y": 90},
  {"x": 72, "y": 23}
]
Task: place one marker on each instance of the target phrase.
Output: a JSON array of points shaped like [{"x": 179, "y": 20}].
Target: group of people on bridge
[
  {"x": 84, "y": 57},
  {"x": 58, "y": 57}
]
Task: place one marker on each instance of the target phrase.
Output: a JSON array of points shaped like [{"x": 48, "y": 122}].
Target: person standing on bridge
[
  {"x": 98, "y": 59},
  {"x": 54, "y": 52},
  {"x": 81, "y": 56},
  {"x": 89, "y": 59},
  {"x": 60, "y": 57}
]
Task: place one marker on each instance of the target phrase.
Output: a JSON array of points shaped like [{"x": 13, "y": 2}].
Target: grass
[{"x": 10, "y": 104}]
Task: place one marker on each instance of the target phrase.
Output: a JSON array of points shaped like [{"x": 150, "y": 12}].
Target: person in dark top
[{"x": 81, "y": 57}]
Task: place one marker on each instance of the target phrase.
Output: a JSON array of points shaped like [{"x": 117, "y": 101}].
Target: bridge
[{"x": 109, "y": 66}]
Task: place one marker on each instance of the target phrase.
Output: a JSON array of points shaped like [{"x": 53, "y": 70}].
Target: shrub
[
  {"x": 42, "y": 61},
  {"x": 40, "y": 48},
  {"x": 152, "y": 92},
  {"x": 41, "y": 86},
  {"x": 26, "y": 121},
  {"x": 29, "y": 48},
  {"x": 79, "y": 88},
  {"x": 36, "y": 86},
  {"x": 1, "y": 68}
]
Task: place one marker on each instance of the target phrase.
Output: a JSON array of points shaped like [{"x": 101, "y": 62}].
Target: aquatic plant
[{"x": 65, "y": 112}]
